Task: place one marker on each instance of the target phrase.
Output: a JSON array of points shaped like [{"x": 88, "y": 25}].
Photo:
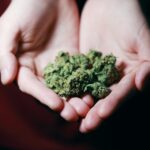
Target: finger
[
  {"x": 82, "y": 127},
  {"x": 142, "y": 74},
  {"x": 8, "y": 47},
  {"x": 69, "y": 113},
  {"x": 80, "y": 106},
  {"x": 8, "y": 68},
  {"x": 104, "y": 108},
  {"x": 144, "y": 43},
  {"x": 29, "y": 83},
  {"x": 88, "y": 99},
  {"x": 89, "y": 124}
]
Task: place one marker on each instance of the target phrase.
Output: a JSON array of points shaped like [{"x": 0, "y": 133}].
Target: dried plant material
[{"x": 73, "y": 76}]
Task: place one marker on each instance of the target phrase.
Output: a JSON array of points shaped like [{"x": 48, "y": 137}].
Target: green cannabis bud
[{"x": 76, "y": 75}]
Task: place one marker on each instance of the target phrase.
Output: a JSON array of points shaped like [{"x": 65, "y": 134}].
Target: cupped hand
[
  {"x": 32, "y": 32},
  {"x": 117, "y": 27},
  {"x": 23, "y": 26}
]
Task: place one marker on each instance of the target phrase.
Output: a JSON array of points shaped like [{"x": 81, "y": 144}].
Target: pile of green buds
[{"x": 74, "y": 76}]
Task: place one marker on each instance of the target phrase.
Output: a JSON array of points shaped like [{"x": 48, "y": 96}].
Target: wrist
[
  {"x": 42, "y": 2},
  {"x": 109, "y": 2},
  {"x": 115, "y": 5}
]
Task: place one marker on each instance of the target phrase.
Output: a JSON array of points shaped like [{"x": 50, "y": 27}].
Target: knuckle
[{"x": 103, "y": 113}]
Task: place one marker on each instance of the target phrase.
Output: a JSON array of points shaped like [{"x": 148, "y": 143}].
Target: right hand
[{"x": 117, "y": 27}]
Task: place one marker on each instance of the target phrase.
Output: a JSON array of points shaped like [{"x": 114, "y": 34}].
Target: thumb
[
  {"x": 143, "y": 73},
  {"x": 8, "y": 47}
]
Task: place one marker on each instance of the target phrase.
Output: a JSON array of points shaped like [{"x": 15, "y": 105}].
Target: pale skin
[
  {"x": 29, "y": 42},
  {"x": 32, "y": 33},
  {"x": 117, "y": 27}
]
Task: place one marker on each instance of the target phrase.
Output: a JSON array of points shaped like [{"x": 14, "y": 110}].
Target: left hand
[
  {"x": 118, "y": 27},
  {"x": 32, "y": 32},
  {"x": 63, "y": 35}
]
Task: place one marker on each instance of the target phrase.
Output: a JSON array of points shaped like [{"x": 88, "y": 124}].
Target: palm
[
  {"x": 127, "y": 37},
  {"x": 32, "y": 62}
]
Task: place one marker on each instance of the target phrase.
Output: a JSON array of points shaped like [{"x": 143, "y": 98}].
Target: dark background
[{"x": 127, "y": 129}]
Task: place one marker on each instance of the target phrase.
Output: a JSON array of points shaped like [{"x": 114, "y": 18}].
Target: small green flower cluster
[{"x": 74, "y": 76}]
